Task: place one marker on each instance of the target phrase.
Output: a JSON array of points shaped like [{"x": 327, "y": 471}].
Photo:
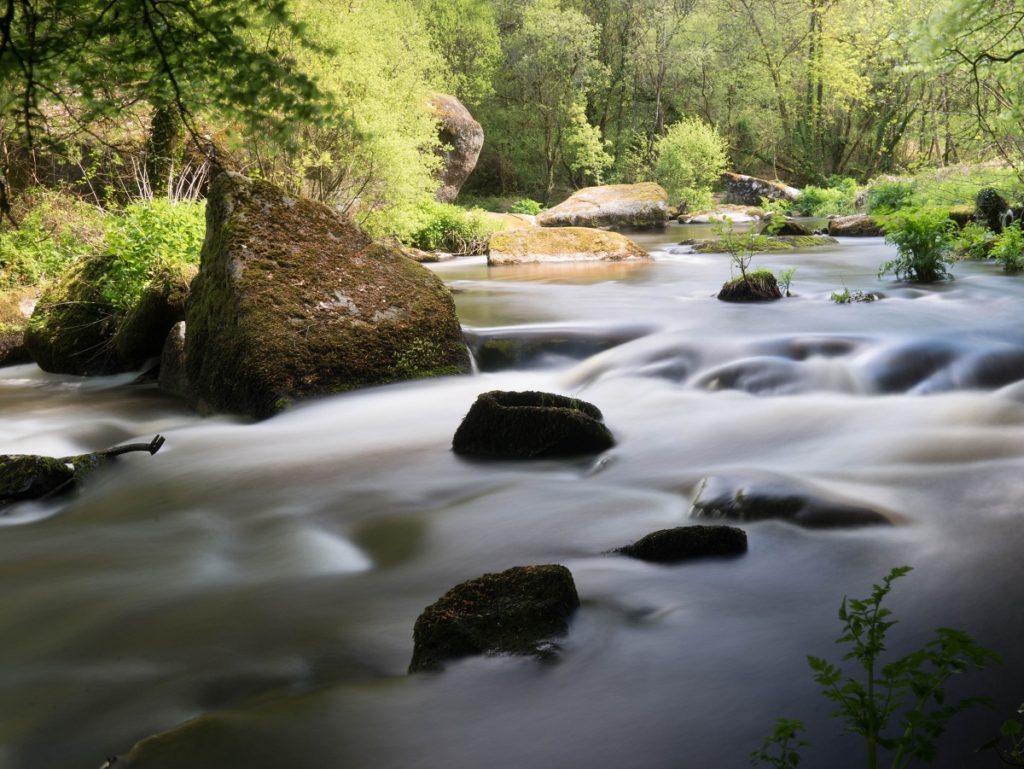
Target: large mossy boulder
[
  {"x": 855, "y": 226},
  {"x": 294, "y": 301},
  {"x": 743, "y": 190},
  {"x": 625, "y": 206},
  {"x": 530, "y": 425},
  {"x": 462, "y": 138},
  {"x": 72, "y": 328},
  {"x": 517, "y": 611},
  {"x": 561, "y": 244},
  {"x": 755, "y": 286},
  {"x": 764, "y": 496},
  {"x": 684, "y": 543},
  {"x": 991, "y": 209},
  {"x": 142, "y": 332}
]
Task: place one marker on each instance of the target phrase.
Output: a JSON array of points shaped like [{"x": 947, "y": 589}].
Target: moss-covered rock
[
  {"x": 991, "y": 209},
  {"x": 294, "y": 301},
  {"x": 143, "y": 331},
  {"x": 462, "y": 138},
  {"x": 26, "y": 476},
  {"x": 626, "y": 206},
  {"x": 173, "y": 378},
  {"x": 735, "y": 214},
  {"x": 516, "y": 611},
  {"x": 962, "y": 215},
  {"x": 15, "y": 309},
  {"x": 756, "y": 286},
  {"x": 529, "y": 425},
  {"x": 766, "y": 243},
  {"x": 856, "y": 226},
  {"x": 684, "y": 543},
  {"x": 561, "y": 244},
  {"x": 763, "y": 496},
  {"x": 72, "y": 327},
  {"x": 12, "y": 346}
]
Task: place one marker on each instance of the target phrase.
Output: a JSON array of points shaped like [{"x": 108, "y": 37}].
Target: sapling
[{"x": 899, "y": 707}]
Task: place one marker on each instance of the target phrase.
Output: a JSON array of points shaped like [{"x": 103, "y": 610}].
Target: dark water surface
[{"x": 249, "y": 592}]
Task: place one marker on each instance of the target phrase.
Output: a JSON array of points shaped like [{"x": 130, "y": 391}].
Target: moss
[
  {"x": 293, "y": 301},
  {"x": 143, "y": 331},
  {"x": 30, "y": 477},
  {"x": 757, "y": 286},
  {"x": 962, "y": 215},
  {"x": 513, "y": 612},
  {"x": 765, "y": 243}
]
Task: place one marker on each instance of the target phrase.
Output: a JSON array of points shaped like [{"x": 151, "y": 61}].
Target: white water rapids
[{"x": 249, "y": 593}]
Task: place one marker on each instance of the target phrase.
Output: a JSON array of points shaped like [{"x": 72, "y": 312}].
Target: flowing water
[{"x": 249, "y": 593}]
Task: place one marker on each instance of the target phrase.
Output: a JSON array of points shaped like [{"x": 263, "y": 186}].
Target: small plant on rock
[
  {"x": 909, "y": 691},
  {"x": 924, "y": 242}
]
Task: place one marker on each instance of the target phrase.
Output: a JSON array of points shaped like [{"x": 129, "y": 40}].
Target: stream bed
[{"x": 245, "y": 598}]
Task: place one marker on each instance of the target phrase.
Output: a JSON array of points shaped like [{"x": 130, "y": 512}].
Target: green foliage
[
  {"x": 889, "y": 197},
  {"x": 465, "y": 34},
  {"x": 584, "y": 149},
  {"x": 1012, "y": 732},
  {"x": 848, "y": 297},
  {"x": 55, "y": 231},
  {"x": 447, "y": 227},
  {"x": 781, "y": 748},
  {"x": 899, "y": 706},
  {"x": 838, "y": 198},
  {"x": 923, "y": 240},
  {"x": 690, "y": 158},
  {"x": 974, "y": 241},
  {"x": 740, "y": 247},
  {"x": 526, "y": 206},
  {"x": 143, "y": 239},
  {"x": 1008, "y": 248},
  {"x": 785, "y": 278}
]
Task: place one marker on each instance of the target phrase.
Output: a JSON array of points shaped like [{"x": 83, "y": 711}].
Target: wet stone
[{"x": 684, "y": 543}]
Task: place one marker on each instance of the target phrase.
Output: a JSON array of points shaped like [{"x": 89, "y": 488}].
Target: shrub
[
  {"x": 973, "y": 242},
  {"x": 146, "y": 237},
  {"x": 888, "y": 197},
  {"x": 849, "y": 297},
  {"x": 54, "y": 231},
  {"x": 923, "y": 240},
  {"x": 526, "y": 206},
  {"x": 1008, "y": 248},
  {"x": 912, "y": 687},
  {"x": 690, "y": 158},
  {"x": 838, "y": 198},
  {"x": 447, "y": 227}
]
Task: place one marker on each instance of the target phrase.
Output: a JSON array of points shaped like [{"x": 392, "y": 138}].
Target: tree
[{"x": 83, "y": 61}]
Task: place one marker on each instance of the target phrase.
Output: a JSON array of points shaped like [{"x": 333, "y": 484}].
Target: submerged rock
[
  {"x": 498, "y": 350},
  {"x": 530, "y": 425},
  {"x": 685, "y": 543},
  {"x": 462, "y": 138},
  {"x": 762, "y": 496},
  {"x": 629, "y": 206},
  {"x": 561, "y": 244},
  {"x": 756, "y": 286},
  {"x": 855, "y": 226},
  {"x": 294, "y": 301},
  {"x": 748, "y": 190},
  {"x": 29, "y": 476},
  {"x": 516, "y": 611}
]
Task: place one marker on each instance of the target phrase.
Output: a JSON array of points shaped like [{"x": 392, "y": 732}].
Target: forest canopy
[{"x": 333, "y": 99}]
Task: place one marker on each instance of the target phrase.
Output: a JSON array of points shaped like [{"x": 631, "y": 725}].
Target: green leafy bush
[
  {"x": 526, "y": 206},
  {"x": 54, "y": 231},
  {"x": 690, "y": 158},
  {"x": 1008, "y": 248},
  {"x": 447, "y": 227},
  {"x": 974, "y": 241},
  {"x": 888, "y": 197},
  {"x": 838, "y": 198},
  {"x": 923, "y": 240},
  {"x": 146, "y": 237},
  {"x": 909, "y": 690}
]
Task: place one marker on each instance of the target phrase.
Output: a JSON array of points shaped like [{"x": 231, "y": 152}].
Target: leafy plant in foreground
[
  {"x": 974, "y": 241},
  {"x": 1008, "y": 248},
  {"x": 924, "y": 241},
  {"x": 899, "y": 707}
]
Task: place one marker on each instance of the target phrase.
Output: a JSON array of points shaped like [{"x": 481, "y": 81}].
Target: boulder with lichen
[
  {"x": 462, "y": 138},
  {"x": 625, "y": 206},
  {"x": 561, "y": 244},
  {"x": 294, "y": 301}
]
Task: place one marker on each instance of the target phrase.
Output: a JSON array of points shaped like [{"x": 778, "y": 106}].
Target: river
[{"x": 248, "y": 594}]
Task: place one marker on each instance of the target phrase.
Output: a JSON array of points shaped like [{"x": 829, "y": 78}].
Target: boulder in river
[
  {"x": 763, "y": 496},
  {"x": 748, "y": 190},
  {"x": 735, "y": 214},
  {"x": 626, "y": 206},
  {"x": 462, "y": 138},
  {"x": 755, "y": 286},
  {"x": 530, "y": 425},
  {"x": 142, "y": 333},
  {"x": 294, "y": 301},
  {"x": 516, "y": 612},
  {"x": 684, "y": 543},
  {"x": 173, "y": 377},
  {"x": 561, "y": 244},
  {"x": 855, "y": 226}
]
